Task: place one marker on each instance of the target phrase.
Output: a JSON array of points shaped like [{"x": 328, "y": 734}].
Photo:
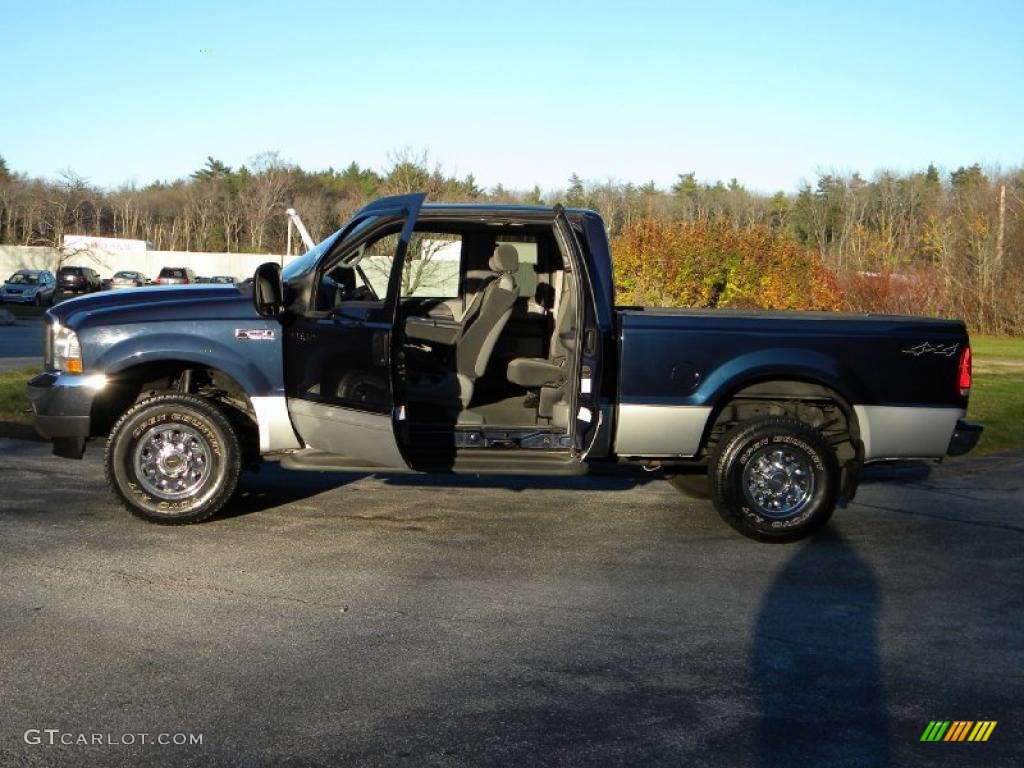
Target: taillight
[
  {"x": 964, "y": 379},
  {"x": 185, "y": 281}
]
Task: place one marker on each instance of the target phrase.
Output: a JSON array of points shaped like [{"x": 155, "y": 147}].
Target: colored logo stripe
[
  {"x": 958, "y": 730},
  {"x": 982, "y": 730}
]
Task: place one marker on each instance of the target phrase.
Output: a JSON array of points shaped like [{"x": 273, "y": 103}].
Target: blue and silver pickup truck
[{"x": 485, "y": 339}]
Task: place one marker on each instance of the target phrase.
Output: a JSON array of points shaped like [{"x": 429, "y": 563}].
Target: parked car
[
  {"x": 223, "y": 280},
  {"x": 176, "y": 276},
  {"x": 517, "y": 362},
  {"x": 29, "y": 286},
  {"x": 78, "y": 280},
  {"x": 128, "y": 278}
]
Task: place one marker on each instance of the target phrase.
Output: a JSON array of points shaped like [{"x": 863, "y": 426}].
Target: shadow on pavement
[
  {"x": 16, "y": 430},
  {"x": 815, "y": 663},
  {"x": 897, "y": 472},
  {"x": 273, "y": 486}
]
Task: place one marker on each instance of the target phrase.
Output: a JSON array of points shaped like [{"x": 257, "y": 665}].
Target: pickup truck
[{"x": 485, "y": 339}]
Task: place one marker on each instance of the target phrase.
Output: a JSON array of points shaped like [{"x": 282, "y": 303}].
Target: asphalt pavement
[
  {"x": 332, "y": 619},
  {"x": 21, "y": 344}
]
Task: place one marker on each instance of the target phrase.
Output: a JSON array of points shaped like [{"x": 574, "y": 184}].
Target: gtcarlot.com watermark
[{"x": 54, "y": 737}]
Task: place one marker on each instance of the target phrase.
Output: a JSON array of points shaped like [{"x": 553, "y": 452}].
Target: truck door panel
[{"x": 338, "y": 364}]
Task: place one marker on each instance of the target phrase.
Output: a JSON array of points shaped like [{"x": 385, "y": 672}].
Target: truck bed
[{"x": 688, "y": 356}]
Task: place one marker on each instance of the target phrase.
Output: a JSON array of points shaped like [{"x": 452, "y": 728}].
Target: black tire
[
  {"x": 694, "y": 485},
  {"x": 776, "y": 460},
  {"x": 202, "y": 447}
]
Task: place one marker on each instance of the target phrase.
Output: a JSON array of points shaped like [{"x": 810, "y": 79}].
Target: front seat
[
  {"x": 548, "y": 376},
  {"x": 482, "y": 324}
]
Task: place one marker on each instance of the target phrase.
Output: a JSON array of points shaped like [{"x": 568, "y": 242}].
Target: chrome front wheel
[
  {"x": 174, "y": 459},
  {"x": 172, "y": 463}
]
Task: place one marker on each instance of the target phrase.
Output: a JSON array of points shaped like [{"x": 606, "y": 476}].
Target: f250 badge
[
  {"x": 255, "y": 334},
  {"x": 924, "y": 348}
]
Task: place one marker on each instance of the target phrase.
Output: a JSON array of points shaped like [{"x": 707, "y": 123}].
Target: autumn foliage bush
[
  {"x": 711, "y": 264},
  {"x": 928, "y": 290}
]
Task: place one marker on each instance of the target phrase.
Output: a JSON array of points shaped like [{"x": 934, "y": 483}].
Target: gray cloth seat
[
  {"x": 550, "y": 374},
  {"x": 537, "y": 372},
  {"x": 481, "y": 325}
]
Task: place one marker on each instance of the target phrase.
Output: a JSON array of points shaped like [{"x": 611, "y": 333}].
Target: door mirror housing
[{"x": 268, "y": 290}]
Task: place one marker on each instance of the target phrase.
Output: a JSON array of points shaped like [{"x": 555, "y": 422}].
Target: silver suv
[{"x": 176, "y": 276}]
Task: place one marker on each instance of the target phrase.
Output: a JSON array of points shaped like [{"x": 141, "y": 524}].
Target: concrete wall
[{"x": 238, "y": 265}]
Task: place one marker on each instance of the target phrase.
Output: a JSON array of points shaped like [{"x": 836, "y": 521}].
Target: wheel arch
[
  {"x": 258, "y": 419},
  {"x": 783, "y": 394}
]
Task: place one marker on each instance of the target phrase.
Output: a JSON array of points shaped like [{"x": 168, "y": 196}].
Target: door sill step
[
  {"x": 311, "y": 460},
  {"x": 499, "y": 462}
]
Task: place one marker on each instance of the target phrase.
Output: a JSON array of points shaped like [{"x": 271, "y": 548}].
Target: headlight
[{"x": 67, "y": 354}]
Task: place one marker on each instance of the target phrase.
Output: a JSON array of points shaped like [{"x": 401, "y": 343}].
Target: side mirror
[{"x": 268, "y": 290}]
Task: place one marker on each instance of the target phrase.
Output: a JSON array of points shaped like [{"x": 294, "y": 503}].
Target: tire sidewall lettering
[
  {"x": 170, "y": 415},
  {"x": 733, "y": 456}
]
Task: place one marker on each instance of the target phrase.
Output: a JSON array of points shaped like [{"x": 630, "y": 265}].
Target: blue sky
[{"x": 519, "y": 93}]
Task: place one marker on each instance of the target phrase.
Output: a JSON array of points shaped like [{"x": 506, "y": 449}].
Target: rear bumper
[
  {"x": 965, "y": 437},
  {"x": 62, "y": 407}
]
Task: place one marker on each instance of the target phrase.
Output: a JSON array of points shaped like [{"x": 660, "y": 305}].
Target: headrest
[{"x": 505, "y": 259}]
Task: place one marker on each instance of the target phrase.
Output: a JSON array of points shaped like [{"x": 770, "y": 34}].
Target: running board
[{"x": 464, "y": 462}]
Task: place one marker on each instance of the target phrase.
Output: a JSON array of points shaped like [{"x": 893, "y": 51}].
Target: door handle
[
  {"x": 342, "y": 319},
  {"x": 380, "y": 348}
]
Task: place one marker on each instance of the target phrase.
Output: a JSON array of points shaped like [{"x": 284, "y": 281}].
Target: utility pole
[{"x": 294, "y": 220}]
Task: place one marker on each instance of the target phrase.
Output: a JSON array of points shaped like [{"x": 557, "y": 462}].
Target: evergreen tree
[{"x": 214, "y": 169}]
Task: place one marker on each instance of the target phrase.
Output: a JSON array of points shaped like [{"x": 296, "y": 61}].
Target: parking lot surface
[
  {"x": 21, "y": 343},
  {"x": 343, "y": 620}
]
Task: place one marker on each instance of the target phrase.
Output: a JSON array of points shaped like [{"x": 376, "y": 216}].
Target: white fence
[
  {"x": 238, "y": 265},
  {"x": 431, "y": 278}
]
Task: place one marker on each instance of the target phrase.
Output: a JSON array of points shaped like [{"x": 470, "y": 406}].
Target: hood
[{"x": 153, "y": 304}]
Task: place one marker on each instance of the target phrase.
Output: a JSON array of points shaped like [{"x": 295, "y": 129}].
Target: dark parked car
[
  {"x": 29, "y": 286},
  {"x": 78, "y": 280},
  {"x": 176, "y": 276},
  {"x": 223, "y": 280},
  {"x": 512, "y": 360},
  {"x": 128, "y": 278}
]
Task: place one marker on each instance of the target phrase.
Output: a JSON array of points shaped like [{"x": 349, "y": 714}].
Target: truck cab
[{"x": 437, "y": 337}]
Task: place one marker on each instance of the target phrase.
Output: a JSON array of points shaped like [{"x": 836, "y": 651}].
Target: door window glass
[{"x": 431, "y": 268}]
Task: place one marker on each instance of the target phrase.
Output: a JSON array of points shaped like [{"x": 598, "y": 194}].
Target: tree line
[{"x": 944, "y": 243}]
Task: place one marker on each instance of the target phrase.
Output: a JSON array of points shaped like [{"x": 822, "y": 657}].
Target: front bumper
[
  {"x": 18, "y": 298},
  {"x": 62, "y": 408},
  {"x": 964, "y": 438}
]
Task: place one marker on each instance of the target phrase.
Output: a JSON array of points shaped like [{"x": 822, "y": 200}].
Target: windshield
[
  {"x": 304, "y": 263},
  {"x": 132, "y": 275},
  {"x": 170, "y": 272},
  {"x": 24, "y": 278}
]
